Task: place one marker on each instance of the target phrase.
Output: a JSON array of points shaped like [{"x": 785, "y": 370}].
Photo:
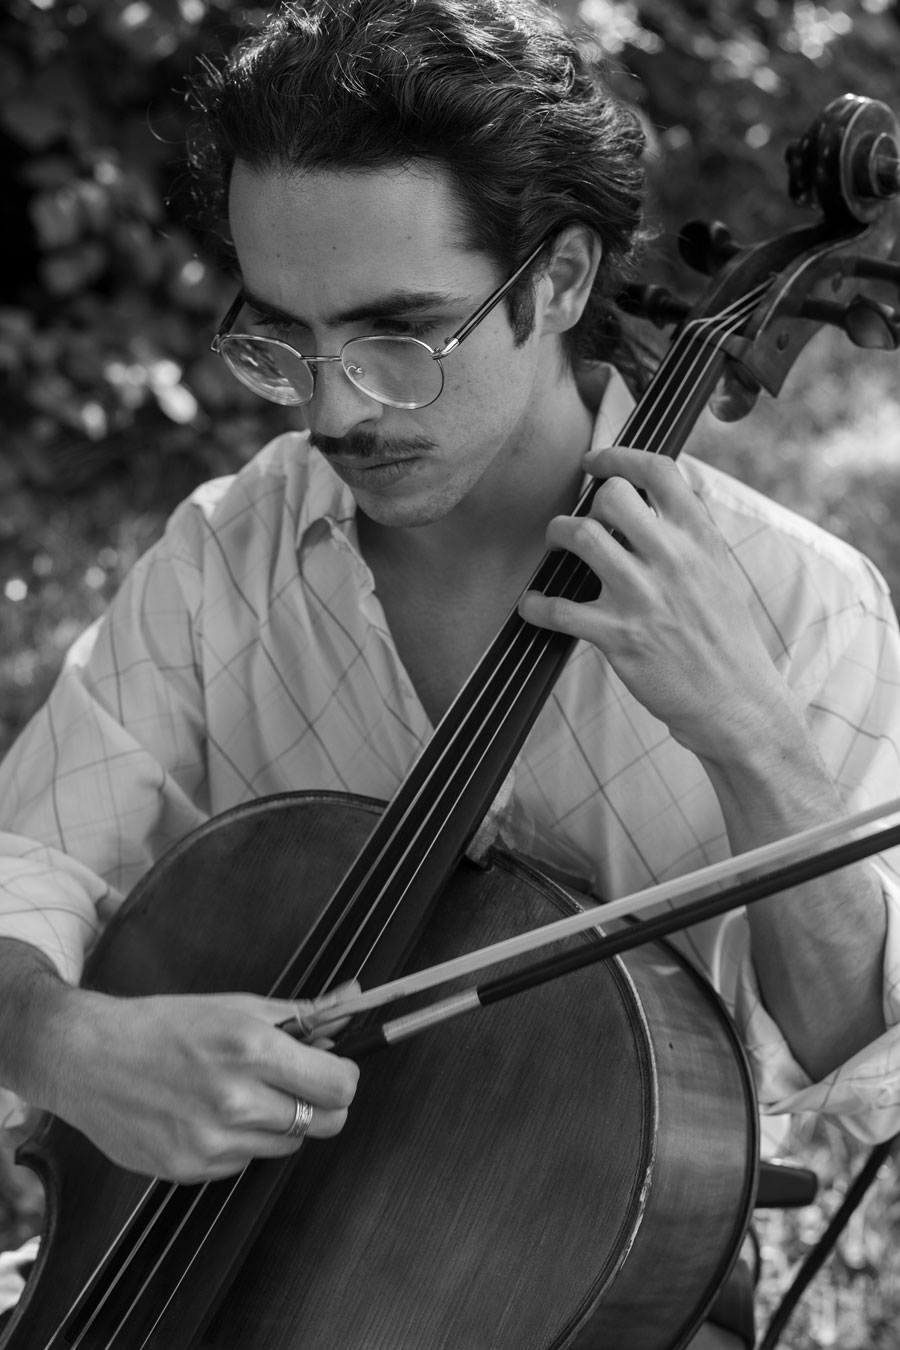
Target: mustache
[{"x": 363, "y": 445}]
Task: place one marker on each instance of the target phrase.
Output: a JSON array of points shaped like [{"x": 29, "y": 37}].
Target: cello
[{"x": 421, "y": 1225}]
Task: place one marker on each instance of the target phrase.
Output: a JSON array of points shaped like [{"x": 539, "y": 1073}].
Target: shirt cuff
[
  {"x": 863, "y": 1094},
  {"x": 49, "y": 900}
]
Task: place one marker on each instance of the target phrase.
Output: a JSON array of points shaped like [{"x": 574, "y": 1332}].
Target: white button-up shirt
[{"x": 247, "y": 653}]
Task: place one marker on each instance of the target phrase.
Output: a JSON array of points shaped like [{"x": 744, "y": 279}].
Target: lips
[
  {"x": 359, "y": 464},
  {"x": 371, "y": 474}
]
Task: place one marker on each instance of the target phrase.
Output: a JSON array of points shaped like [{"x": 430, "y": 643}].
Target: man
[{"x": 386, "y": 167}]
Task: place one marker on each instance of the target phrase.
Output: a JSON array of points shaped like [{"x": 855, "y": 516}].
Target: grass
[{"x": 829, "y": 447}]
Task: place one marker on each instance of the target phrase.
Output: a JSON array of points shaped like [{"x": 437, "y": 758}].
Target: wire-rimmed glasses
[{"x": 403, "y": 372}]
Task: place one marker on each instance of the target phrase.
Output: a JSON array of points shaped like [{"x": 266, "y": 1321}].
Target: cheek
[{"x": 495, "y": 381}]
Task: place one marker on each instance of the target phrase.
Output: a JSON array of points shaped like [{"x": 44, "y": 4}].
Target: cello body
[{"x": 572, "y": 1169}]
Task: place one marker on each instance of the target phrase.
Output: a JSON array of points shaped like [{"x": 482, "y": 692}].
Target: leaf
[
  {"x": 32, "y": 122},
  {"x": 72, "y": 269},
  {"x": 56, "y": 218}
]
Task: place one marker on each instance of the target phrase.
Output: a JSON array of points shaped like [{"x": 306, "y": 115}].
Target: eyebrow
[{"x": 392, "y": 304}]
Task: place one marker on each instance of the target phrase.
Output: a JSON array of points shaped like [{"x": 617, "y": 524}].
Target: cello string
[
  {"x": 236, "y": 1181},
  {"x": 735, "y": 318},
  {"x": 494, "y": 718},
  {"x": 129, "y": 1222},
  {"x": 147, "y": 1278},
  {"x": 534, "y": 644}
]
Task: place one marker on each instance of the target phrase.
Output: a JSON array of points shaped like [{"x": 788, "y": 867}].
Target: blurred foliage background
[
  {"x": 113, "y": 407},
  {"x": 113, "y": 404}
]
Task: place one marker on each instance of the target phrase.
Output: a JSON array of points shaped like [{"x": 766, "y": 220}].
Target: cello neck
[{"x": 429, "y": 823}]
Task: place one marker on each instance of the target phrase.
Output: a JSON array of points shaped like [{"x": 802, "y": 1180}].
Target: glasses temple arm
[
  {"x": 229, "y": 319},
  {"x": 484, "y": 310}
]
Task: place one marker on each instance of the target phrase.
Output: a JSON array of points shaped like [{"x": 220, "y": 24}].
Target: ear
[{"x": 569, "y": 278}]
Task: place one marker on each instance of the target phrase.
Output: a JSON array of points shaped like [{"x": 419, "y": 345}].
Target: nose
[{"x": 338, "y": 407}]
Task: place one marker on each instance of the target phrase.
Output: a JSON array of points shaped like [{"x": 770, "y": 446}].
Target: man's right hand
[{"x": 185, "y": 1087}]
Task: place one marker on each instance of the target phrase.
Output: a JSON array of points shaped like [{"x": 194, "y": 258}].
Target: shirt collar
[
  {"x": 326, "y": 500},
  {"x": 613, "y": 411}
]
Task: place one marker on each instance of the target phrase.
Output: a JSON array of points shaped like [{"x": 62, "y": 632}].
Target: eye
[
  {"x": 275, "y": 328},
  {"x": 417, "y": 328}
]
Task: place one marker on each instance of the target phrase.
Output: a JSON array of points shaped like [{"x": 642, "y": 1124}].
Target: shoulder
[
  {"x": 271, "y": 500},
  {"x": 819, "y": 605},
  {"x": 782, "y": 548},
  {"x": 239, "y": 530},
  {"x": 276, "y": 475}
]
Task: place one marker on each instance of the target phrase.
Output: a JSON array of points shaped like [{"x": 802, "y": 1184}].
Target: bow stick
[{"x": 699, "y": 895}]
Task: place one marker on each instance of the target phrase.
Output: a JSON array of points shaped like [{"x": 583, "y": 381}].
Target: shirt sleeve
[
  {"x": 854, "y": 717},
  {"x": 111, "y": 770}
]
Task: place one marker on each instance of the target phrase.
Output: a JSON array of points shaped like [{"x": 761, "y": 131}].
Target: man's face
[{"x": 344, "y": 255}]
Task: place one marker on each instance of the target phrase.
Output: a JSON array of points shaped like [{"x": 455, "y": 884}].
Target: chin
[{"x": 399, "y": 515}]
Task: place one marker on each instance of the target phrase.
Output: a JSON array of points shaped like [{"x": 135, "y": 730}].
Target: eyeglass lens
[
  {"x": 398, "y": 371},
  {"x": 269, "y": 368}
]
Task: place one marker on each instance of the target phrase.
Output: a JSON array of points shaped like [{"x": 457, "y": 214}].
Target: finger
[
  {"x": 316, "y": 1017},
  {"x": 626, "y": 514},
  {"x": 306, "y": 1016},
  {"x": 607, "y": 557},
  {"x": 591, "y": 541},
  {"x": 313, "y": 1072},
  {"x": 291, "y": 1112},
  {"x": 274, "y": 1113},
  {"x": 288, "y": 1131},
  {"x": 656, "y": 475},
  {"x": 247, "y": 1108},
  {"x": 235, "y": 1148},
  {"x": 267, "y": 1055},
  {"x": 562, "y": 616}
]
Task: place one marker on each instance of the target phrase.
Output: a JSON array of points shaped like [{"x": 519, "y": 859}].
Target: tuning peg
[
  {"x": 876, "y": 166},
  {"x": 735, "y": 394},
  {"x": 706, "y": 245},
  {"x": 867, "y": 322},
  {"x": 877, "y": 269},
  {"x": 655, "y": 303}
]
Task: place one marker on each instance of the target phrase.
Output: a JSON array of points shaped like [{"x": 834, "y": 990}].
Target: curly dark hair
[{"x": 495, "y": 92}]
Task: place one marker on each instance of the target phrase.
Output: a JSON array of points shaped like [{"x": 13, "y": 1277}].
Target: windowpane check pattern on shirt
[{"x": 247, "y": 654}]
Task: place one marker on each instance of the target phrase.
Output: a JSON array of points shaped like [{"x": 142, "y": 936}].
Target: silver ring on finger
[{"x": 303, "y": 1114}]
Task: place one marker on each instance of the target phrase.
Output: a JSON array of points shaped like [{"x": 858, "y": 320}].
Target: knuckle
[
  {"x": 554, "y": 611},
  {"x": 333, "y": 1123},
  {"x": 185, "y": 1172},
  {"x": 199, "y": 1149},
  {"x": 240, "y": 1043},
  {"x": 612, "y": 493},
  {"x": 583, "y": 531},
  {"x": 617, "y": 485},
  {"x": 236, "y": 1106},
  {"x": 664, "y": 466}
]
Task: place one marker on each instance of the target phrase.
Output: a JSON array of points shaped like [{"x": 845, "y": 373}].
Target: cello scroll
[{"x": 847, "y": 166}]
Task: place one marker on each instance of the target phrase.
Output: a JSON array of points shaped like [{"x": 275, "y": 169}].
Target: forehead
[{"x": 318, "y": 242}]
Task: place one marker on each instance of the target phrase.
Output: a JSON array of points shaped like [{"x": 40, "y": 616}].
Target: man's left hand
[{"x": 671, "y": 618}]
